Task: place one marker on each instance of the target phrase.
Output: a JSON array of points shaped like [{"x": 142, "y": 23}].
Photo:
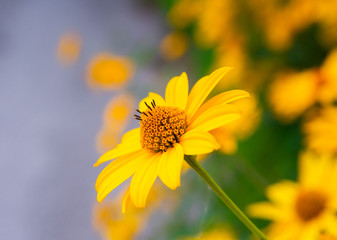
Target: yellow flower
[
  {"x": 291, "y": 94},
  {"x": 69, "y": 48},
  {"x": 228, "y": 135},
  {"x": 217, "y": 233},
  {"x": 173, "y": 46},
  {"x": 184, "y": 12},
  {"x": 107, "y": 71},
  {"x": 321, "y": 131},
  {"x": 325, "y": 236},
  {"x": 109, "y": 221},
  {"x": 304, "y": 209},
  {"x": 169, "y": 129}
]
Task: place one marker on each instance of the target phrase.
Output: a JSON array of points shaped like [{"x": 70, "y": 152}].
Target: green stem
[{"x": 191, "y": 160}]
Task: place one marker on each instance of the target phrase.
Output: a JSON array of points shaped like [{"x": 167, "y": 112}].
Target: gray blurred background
[{"x": 49, "y": 118}]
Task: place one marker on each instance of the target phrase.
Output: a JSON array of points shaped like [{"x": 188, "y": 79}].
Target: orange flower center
[
  {"x": 161, "y": 127},
  {"x": 310, "y": 204}
]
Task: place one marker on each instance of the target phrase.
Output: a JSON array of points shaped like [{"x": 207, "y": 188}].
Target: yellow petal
[
  {"x": 152, "y": 96},
  {"x": 132, "y": 135},
  {"x": 177, "y": 91},
  {"x": 282, "y": 193},
  {"x": 222, "y": 98},
  {"x": 198, "y": 142},
  {"x": 266, "y": 210},
  {"x": 201, "y": 90},
  {"x": 126, "y": 201},
  {"x": 117, "y": 172},
  {"x": 215, "y": 117},
  {"x": 170, "y": 166},
  {"x": 126, "y": 147},
  {"x": 143, "y": 180}
]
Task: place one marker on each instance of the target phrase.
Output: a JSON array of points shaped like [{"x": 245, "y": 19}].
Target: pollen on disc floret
[{"x": 161, "y": 127}]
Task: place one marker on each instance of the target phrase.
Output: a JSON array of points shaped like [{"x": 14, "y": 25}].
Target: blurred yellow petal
[
  {"x": 222, "y": 98},
  {"x": 201, "y": 90},
  {"x": 267, "y": 210},
  {"x": 170, "y": 166},
  {"x": 117, "y": 172},
  {"x": 143, "y": 180},
  {"x": 215, "y": 117},
  {"x": 198, "y": 142},
  {"x": 177, "y": 91},
  {"x": 282, "y": 193}
]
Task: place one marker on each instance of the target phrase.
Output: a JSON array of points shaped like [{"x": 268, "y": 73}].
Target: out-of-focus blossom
[
  {"x": 69, "y": 48},
  {"x": 169, "y": 129},
  {"x": 107, "y": 71},
  {"x": 216, "y": 233},
  {"x": 228, "y": 135},
  {"x": 327, "y": 79},
  {"x": 184, "y": 12},
  {"x": 302, "y": 210},
  {"x": 325, "y": 236},
  {"x": 118, "y": 111},
  {"x": 112, "y": 224},
  {"x": 214, "y": 22},
  {"x": 117, "y": 115},
  {"x": 212, "y": 18},
  {"x": 173, "y": 45},
  {"x": 321, "y": 131},
  {"x": 292, "y": 93}
]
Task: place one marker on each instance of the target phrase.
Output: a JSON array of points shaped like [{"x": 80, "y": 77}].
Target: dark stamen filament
[{"x": 148, "y": 106}]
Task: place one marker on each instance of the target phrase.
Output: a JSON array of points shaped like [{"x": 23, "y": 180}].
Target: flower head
[
  {"x": 305, "y": 209},
  {"x": 169, "y": 129},
  {"x": 69, "y": 48},
  {"x": 107, "y": 71}
]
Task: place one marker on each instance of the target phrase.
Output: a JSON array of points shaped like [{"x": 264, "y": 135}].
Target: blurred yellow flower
[
  {"x": 116, "y": 117},
  {"x": 184, "y": 12},
  {"x": 169, "y": 129},
  {"x": 228, "y": 135},
  {"x": 112, "y": 224},
  {"x": 118, "y": 111},
  {"x": 107, "y": 71},
  {"x": 214, "y": 21},
  {"x": 69, "y": 48},
  {"x": 216, "y": 233},
  {"x": 325, "y": 236},
  {"x": 302, "y": 210},
  {"x": 291, "y": 94},
  {"x": 173, "y": 45},
  {"x": 321, "y": 131}
]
